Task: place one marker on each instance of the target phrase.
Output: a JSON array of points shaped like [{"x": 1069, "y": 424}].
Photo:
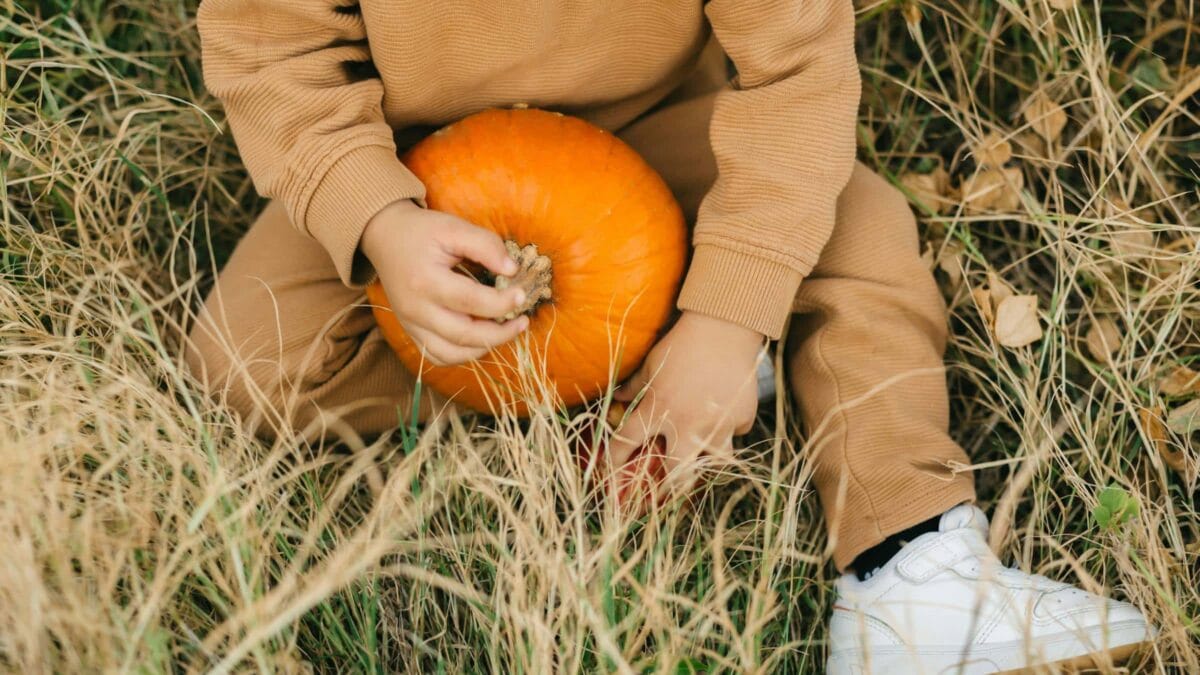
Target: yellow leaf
[
  {"x": 927, "y": 256},
  {"x": 1182, "y": 381},
  {"x": 980, "y": 190},
  {"x": 1156, "y": 433},
  {"x": 1131, "y": 242},
  {"x": 1116, "y": 208},
  {"x": 983, "y": 301},
  {"x": 998, "y": 289},
  {"x": 928, "y": 189},
  {"x": 1128, "y": 235},
  {"x": 1009, "y": 198},
  {"x": 1185, "y": 419},
  {"x": 1031, "y": 145},
  {"x": 993, "y": 150},
  {"x": 993, "y": 189},
  {"x": 1017, "y": 323},
  {"x": 950, "y": 261},
  {"x": 1045, "y": 116},
  {"x": 1103, "y": 339}
]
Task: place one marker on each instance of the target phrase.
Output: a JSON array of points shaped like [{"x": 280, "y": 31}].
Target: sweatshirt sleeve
[
  {"x": 305, "y": 106},
  {"x": 783, "y": 138}
]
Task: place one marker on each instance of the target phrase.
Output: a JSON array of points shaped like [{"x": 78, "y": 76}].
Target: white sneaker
[{"x": 945, "y": 605}]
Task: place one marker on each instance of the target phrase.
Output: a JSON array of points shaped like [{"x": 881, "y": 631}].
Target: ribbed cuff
[
  {"x": 356, "y": 187},
  {"x": 742, "y": 288},
  {"x": 859, "y": 529}
]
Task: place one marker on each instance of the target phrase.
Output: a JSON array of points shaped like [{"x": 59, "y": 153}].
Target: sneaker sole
[
  {"x": 1088, "y": 662},
  {"x": 999, "y": 659}
]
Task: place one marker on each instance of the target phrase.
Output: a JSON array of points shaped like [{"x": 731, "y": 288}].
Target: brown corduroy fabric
[{"x": 287, "y": 343}]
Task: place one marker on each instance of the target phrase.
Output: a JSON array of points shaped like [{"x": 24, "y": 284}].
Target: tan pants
[{"x": 282, "y": 340}]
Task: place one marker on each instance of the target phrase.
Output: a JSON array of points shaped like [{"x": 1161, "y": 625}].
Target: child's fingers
[
  {"x": 439, "y": 351},
  {"x": 628, "y": 391},
  {"x": 682, "y": 447},
  {"x": 633, "y": 434},
  {"x": 467, "y": 296},
  {"x": 683, "y": 457},
  {"x": 483, "y": 246},
  {"x": 464, "y": 331}
]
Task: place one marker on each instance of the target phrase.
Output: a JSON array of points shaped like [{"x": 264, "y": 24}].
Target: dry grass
[{"x": 143, "y": 531}]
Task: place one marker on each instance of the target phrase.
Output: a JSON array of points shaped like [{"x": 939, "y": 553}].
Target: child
[{"x": 320, "y": 95}]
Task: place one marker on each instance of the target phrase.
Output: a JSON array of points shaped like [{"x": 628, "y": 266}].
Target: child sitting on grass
[{"x": 787, "y": 227}]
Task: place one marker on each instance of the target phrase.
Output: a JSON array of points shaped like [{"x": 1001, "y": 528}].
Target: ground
[{"x": 1049, "y": 146}]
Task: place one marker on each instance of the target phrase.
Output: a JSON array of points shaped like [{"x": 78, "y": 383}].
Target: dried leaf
[
  {"x": 1182, "y": 381},
  {"x": 1009, "y": 198},
  {"x": 998, "y": 289},
  {"x": 1103, "y": 339},
  {"x": 983, "y": 301},
  {"x": 1131, "y": 242},
  {"x": 1185, "y": 419},
  {"x": 922, "y": 186},
  {"x": 929, "y": 189},
  {"x": 1045, "y": 116},
  {"x": 1017, "y": 323},
  {"x": 912, "y": 14},
  {"x": 927, "y": 257},
  {"x": 1063, "y": 4},
  {"x": 942, "y": 181},
  {"x": 980, "y": 190},
  {"x": 993, "y": 150},
  {"x": 993, "y": 189},
  {"x": 1156, "y": 433},
  {"x": 1030, "y": 144},
  {"x": 950, "y": 261}
]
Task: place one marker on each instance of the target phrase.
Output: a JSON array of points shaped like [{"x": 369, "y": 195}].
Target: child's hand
[
  {"x": 449, "y": 315},
  {"x": 702, "y": 392}
]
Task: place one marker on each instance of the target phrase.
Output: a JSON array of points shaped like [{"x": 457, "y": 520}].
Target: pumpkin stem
[{"x": 533, "y": 275}]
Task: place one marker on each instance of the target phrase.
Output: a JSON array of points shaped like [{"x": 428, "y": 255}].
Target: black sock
[{"x": 877, "y": 556}]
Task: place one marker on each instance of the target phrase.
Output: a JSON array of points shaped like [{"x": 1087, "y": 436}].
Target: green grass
[{"x": 145, "y": 531}]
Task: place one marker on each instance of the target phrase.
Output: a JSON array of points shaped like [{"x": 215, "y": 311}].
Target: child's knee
[
  {"x": 870, "y": 201},
  {"x": 271, "y": 372},
  {"x": 211, "y": 360}
]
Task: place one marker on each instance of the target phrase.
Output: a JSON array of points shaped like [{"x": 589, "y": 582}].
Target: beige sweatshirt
[{"x": 318, "y": 91}]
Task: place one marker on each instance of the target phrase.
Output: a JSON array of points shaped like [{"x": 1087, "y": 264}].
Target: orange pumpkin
[{"x": 600, "y": 239}]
